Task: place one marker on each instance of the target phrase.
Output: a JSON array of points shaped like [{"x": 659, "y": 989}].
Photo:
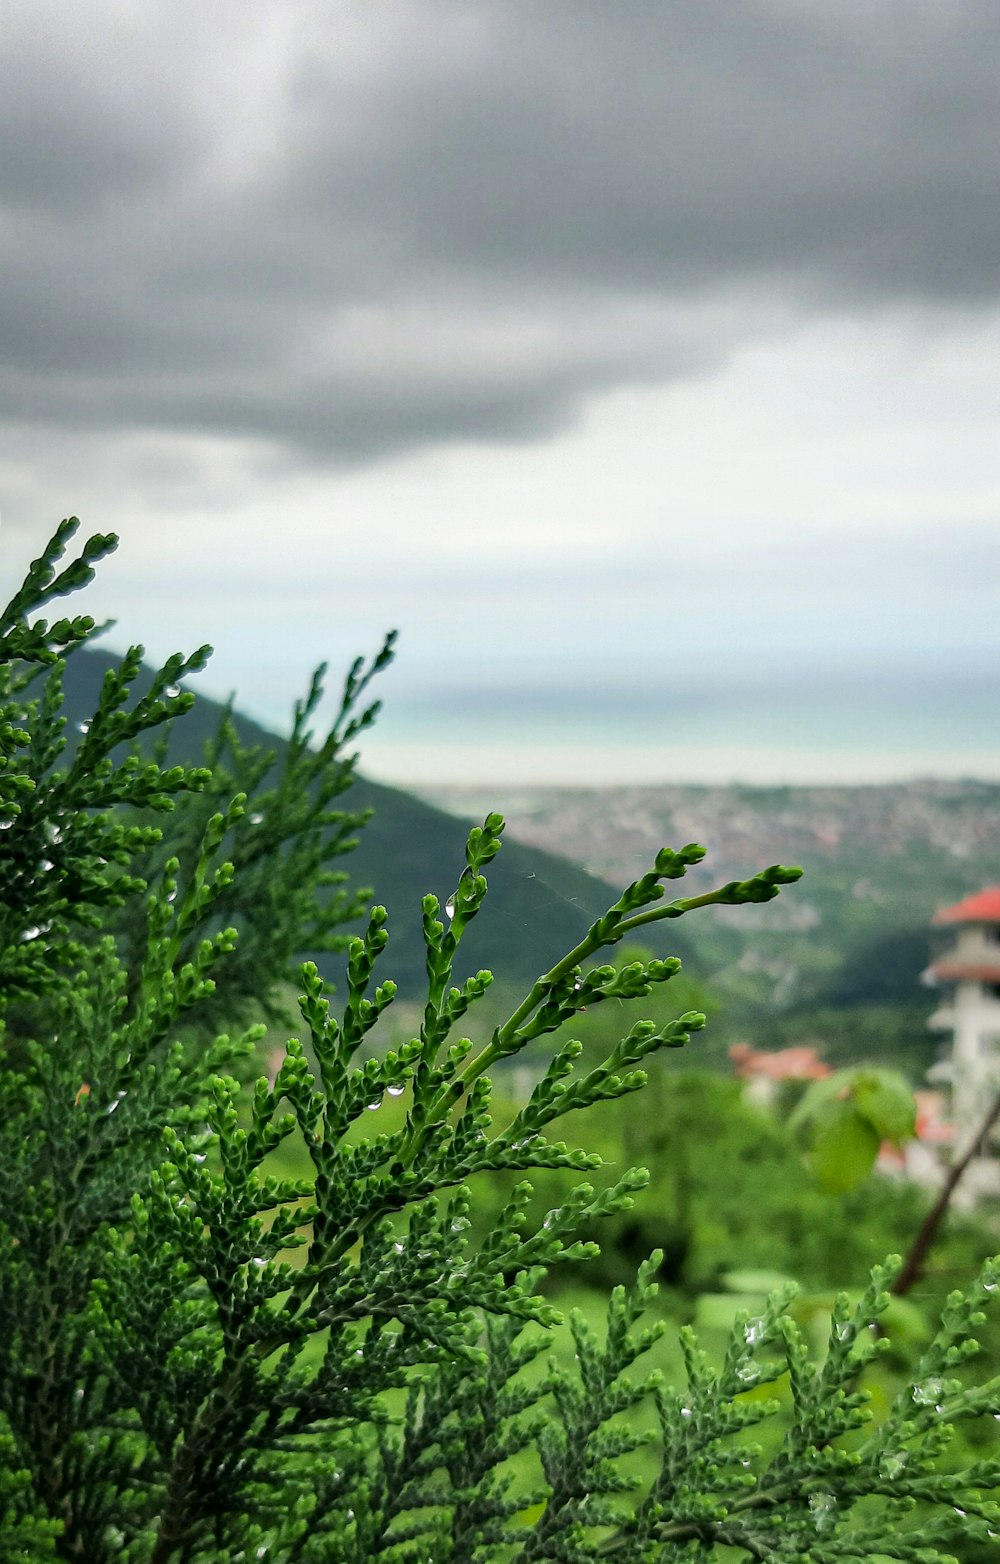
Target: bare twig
[{"x": 917, "y": 1253}]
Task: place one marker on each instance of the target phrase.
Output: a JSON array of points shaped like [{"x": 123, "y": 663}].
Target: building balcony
[
  {"x": 943, "y": 1019},
  {"x": 955, "y": 969}
]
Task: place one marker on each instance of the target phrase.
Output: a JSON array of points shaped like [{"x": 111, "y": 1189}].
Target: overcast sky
[{"x": 621, "y": 354}]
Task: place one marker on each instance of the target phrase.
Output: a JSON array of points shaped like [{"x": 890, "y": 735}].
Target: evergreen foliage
[
  {"x": 203, "y": 1359},
  {"x": 539, "y": 906}
]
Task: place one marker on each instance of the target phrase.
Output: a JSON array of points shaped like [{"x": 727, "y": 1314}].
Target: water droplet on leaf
[
  {"x": 824, "y": 1511},
  {"x": 929, "y": 1393},
  {"x": 892, "y": 1464}
]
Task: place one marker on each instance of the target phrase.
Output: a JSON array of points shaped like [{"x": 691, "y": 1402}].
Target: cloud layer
[
  {"x": 350, "y": 231},
  {"x": 632, "y": 358}
]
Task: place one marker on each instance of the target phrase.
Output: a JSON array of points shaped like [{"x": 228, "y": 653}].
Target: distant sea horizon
[{"x": 864, "y": 730}]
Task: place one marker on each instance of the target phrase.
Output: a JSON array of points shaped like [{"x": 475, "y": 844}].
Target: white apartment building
[{"x": 968, "y": 969}]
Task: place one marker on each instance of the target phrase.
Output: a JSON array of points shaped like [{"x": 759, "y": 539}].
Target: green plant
[
  {"x": 845, "y": 1118},
  {"x": 202, "y": 1359}
]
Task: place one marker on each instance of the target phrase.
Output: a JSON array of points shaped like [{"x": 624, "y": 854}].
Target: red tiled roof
[
  {"x": 983, "y": 907},
  {"x": 800, "y": 1063}
]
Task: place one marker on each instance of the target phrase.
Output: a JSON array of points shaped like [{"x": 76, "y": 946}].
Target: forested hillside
[
  {"x": 838, "y": 963},
  {"x": 540, "y": 903}
]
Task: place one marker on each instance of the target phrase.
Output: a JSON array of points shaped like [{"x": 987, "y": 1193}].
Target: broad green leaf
[
  {"x": 718, "y": 1310},
  {"x": 755, "y": 1280},
  {"x": 844, "y": 1150},
  {"x": 817, "y": 1100},
  {"x": 886, "y": 1101}
]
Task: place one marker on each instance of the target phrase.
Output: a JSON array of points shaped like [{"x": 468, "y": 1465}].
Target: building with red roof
[
  {"x": 967, "y": 968},
  {"x": 765, "y": 1070},
  {"x": 983, "y": 907}
]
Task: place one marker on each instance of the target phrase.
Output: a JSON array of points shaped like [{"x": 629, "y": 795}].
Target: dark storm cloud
[
  {"x": 666, "y": 145},
  {"x": 349, "y": 230},
  {"x": 77, "y": 128}
]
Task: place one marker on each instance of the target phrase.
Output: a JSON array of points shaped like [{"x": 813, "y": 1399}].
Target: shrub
[{"x": 204, "y": 1359}]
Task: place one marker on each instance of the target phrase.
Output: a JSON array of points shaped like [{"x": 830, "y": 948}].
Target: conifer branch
[{"x": 207, "y": 1358}]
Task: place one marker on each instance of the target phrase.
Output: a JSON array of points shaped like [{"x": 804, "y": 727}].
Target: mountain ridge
[
  {"x": 837, "y": 961},
  {"x": 540, "y": 903}
]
